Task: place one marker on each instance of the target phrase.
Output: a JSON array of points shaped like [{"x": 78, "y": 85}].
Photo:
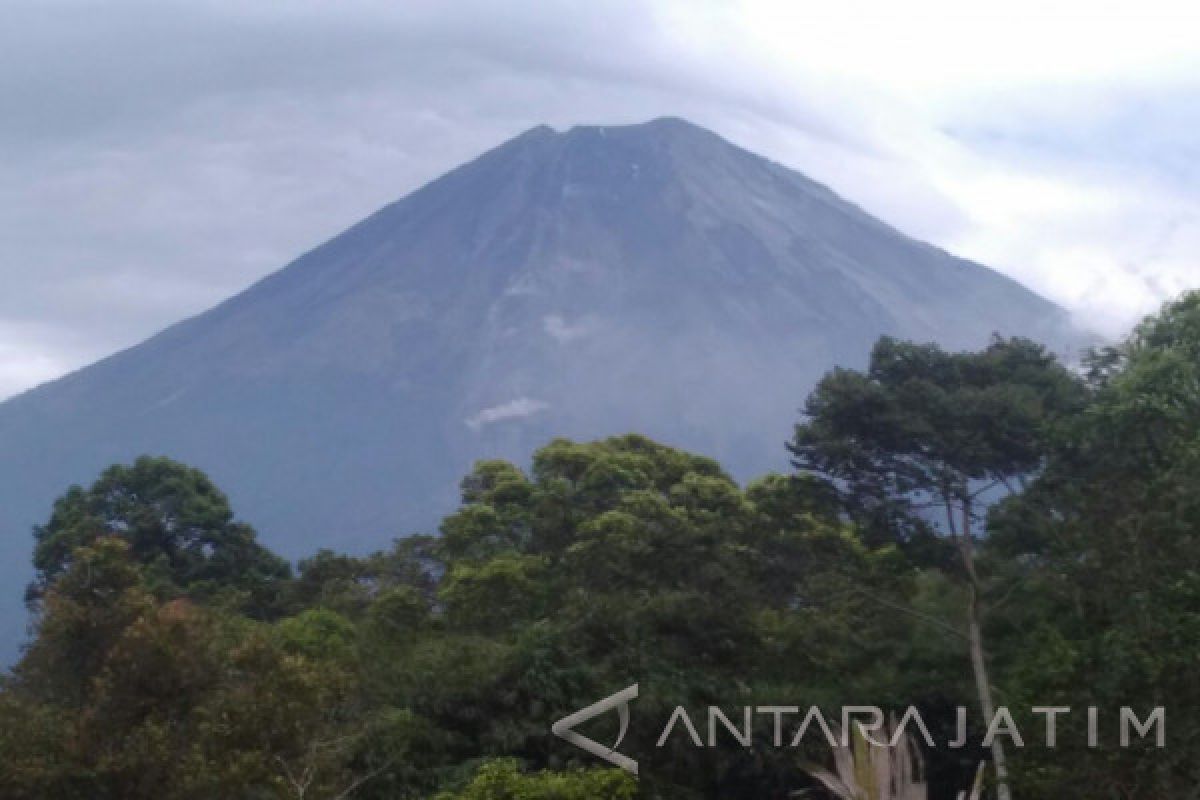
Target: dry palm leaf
[{"x": 867, "y": 771}]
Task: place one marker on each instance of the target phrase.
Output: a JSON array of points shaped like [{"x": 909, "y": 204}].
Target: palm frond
[{"x": 863, "y": 770}]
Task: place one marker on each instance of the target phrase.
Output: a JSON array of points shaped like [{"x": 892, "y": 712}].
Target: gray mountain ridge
[{"x": 651, "y": 278}]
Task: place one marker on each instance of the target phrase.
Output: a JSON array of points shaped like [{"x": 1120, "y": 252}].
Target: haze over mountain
[{"x": 651, "y": 277}]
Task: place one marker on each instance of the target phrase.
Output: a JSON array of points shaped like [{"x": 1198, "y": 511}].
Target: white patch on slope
[
  {"x": 561, "y": 330},
  {"x": 514, "y": 409}
]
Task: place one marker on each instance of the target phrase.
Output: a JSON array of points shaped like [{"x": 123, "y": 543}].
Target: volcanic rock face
[{"x": 651, "y": 278}]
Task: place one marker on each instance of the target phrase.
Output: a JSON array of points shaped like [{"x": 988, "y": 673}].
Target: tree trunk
[
  {"x": 984, "y": 689},
  {"x": 983, "y": 686}
]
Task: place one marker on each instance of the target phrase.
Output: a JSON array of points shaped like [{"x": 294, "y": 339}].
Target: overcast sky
[{"x": 159, "y": 156}]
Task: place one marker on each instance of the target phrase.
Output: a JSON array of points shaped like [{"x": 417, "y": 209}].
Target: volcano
[{"x": 651, "y": 278}]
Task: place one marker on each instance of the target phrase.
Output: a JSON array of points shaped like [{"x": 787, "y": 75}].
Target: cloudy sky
[{"x": 159, "y": 156}]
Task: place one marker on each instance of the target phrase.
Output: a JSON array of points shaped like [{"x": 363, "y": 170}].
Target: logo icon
[{"x": 565, "y": 728}]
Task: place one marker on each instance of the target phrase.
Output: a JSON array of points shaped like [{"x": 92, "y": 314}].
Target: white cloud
[
  {"x": 514, "y": 409},
  {"x": 24, "y": 360},
  {"x": 162, "y": 155},
  {"x": 562, "y": 331}
]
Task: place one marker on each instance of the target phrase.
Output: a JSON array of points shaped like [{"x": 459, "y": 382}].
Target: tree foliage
[
  {"x": 1112, "y": 530},
  {"x": 915, "y": 445},
  {"x": 178, "y": 526},
  {"x": 175, "y": 658}
]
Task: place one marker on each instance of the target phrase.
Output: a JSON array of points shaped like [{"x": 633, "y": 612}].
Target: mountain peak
[
  {"x": 537, "y": 132},
  {"x": 658, "y": 131},
  {"x": 659, "y": 126}
]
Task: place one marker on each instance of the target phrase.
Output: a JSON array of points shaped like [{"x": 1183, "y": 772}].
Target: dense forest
[{"x": 978, "y": 529}]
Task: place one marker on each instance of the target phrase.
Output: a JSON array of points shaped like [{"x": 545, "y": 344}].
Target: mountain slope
[{"x": 651, "y": 277}]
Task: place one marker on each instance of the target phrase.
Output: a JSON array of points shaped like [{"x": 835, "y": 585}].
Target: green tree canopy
[
  {"x": 179, "y": 528},
  {"x": 1111, "y": 615},
  {"x": 916, "y": 444},
  {"x": 503, "y": 780}
]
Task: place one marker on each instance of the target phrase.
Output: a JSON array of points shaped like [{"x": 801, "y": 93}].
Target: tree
[
  {"x": 1111, "y": 532},
  {"x": 624, "y": 560},
  {"x": 395, "y": 674},
  {"x": 503, "y": 780},
  {"x": 124, "y": 696},
  {"x": 84, "y": 613},
  {"x": 350, "y": 585},
  {"x": 925, "y": 432},
  {"x": 179, "y": 528}
]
